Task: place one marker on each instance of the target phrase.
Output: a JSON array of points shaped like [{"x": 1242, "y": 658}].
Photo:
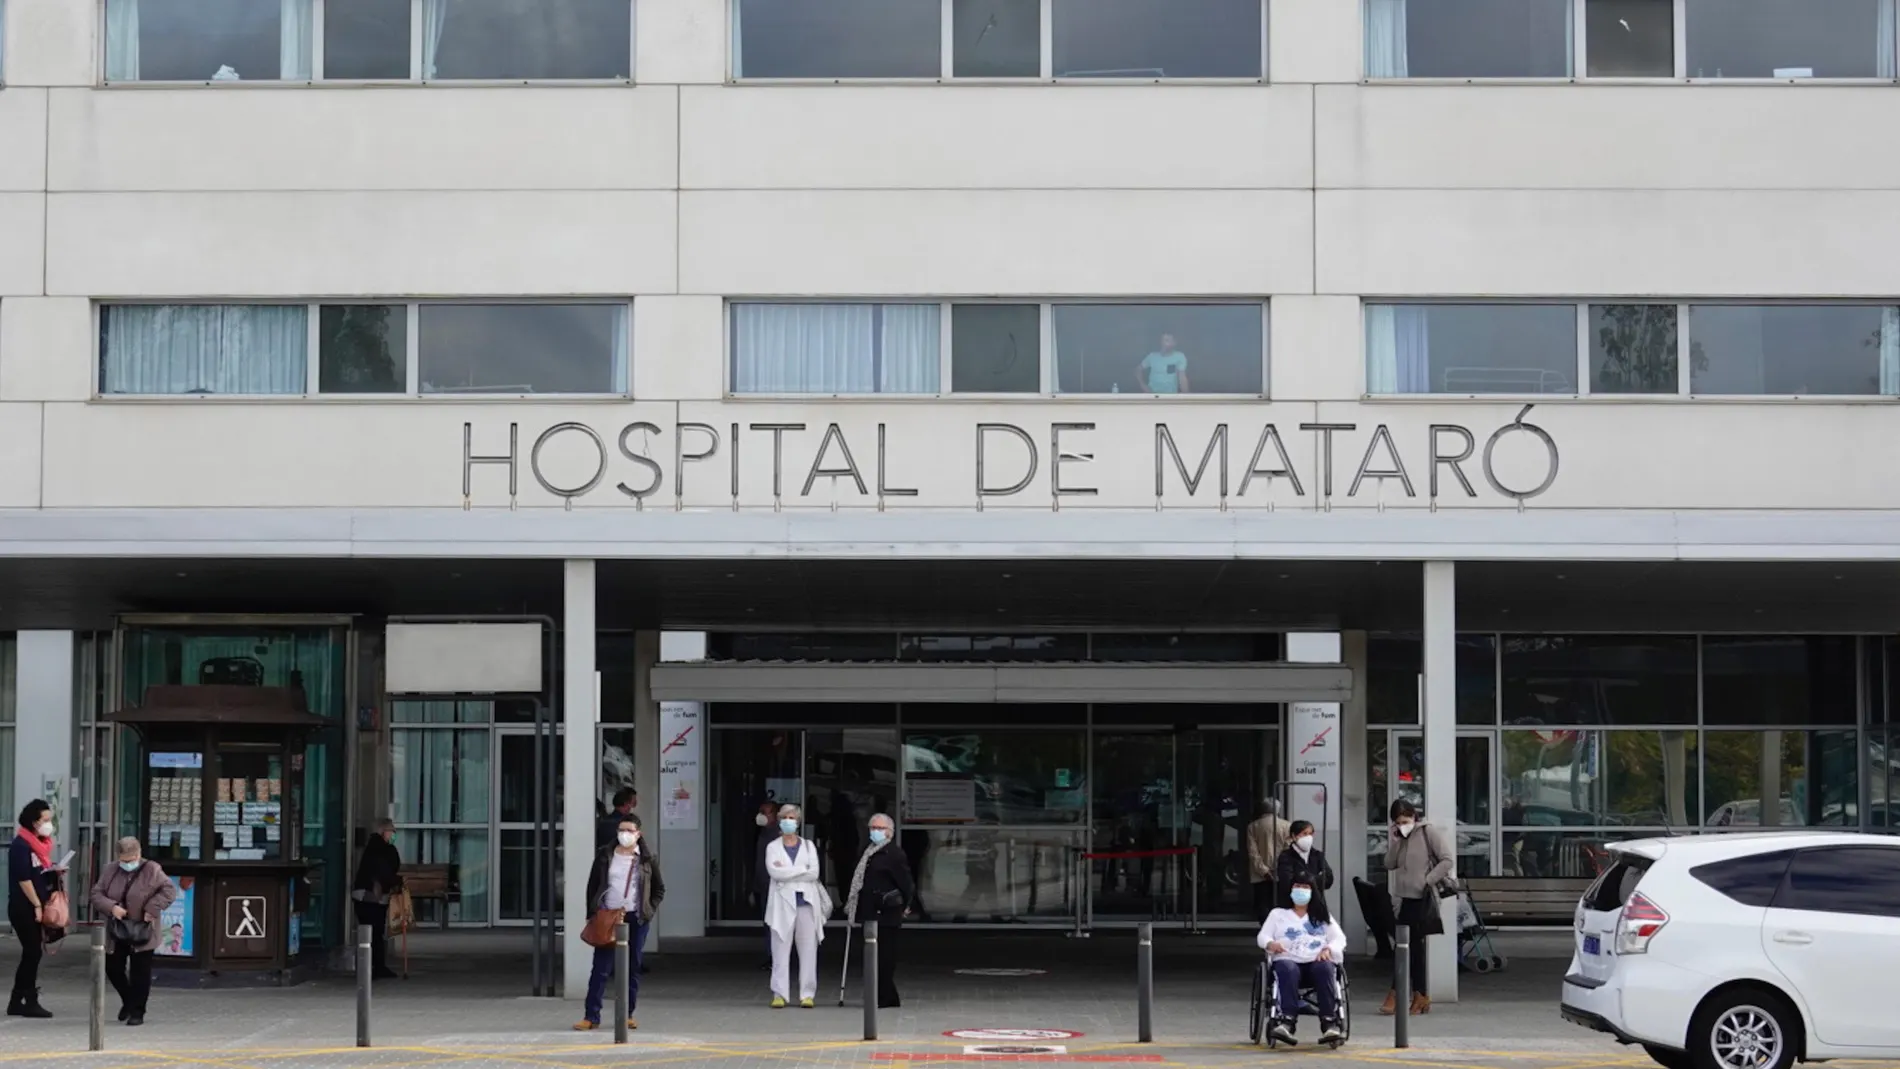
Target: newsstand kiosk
[{"x": 220, "y": 800}]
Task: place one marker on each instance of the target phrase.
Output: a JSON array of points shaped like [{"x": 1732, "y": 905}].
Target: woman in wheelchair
[{"x": 1306, "y": 947}]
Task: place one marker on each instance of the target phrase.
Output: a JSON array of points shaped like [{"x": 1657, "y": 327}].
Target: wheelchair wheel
[
  {"x": 1345, "y": 1010},
  {"x": 1257, "y": 1021},
  {"x": 1497, "y": 963}
]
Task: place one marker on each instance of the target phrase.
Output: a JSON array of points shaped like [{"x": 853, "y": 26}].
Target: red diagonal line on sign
[
  {"x": 1317, "y": 739},
  {"x": 681, "y": 741}
]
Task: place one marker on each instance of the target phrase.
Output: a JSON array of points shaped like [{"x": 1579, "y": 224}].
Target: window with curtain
[
  {"x": 1795, "y": 350},
  {"x": 836, "y": 348},
  {"x": 209, "y": 40},
  {"x": 202, "y": 349},
  {"x": 3, "y": 42},
  {"x": 440, "y": 774},
  {"x": 1471, "y": 348},
  {"x": 1469, "y": 38}
]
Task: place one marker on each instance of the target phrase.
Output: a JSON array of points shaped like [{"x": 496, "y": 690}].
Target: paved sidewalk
[{"x": 464, "y": 1005}]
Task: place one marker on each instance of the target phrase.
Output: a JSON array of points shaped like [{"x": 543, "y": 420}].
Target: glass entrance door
[
  {"x": 1397, "y": 762},
  {"x": 751, "y": 768},
  {"x": 514, "y": 820}
]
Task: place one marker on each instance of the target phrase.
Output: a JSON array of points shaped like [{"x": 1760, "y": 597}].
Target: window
[
  {"x": 1779, "y": 680},
  {"x": 1785, "y": 779},
  {"x": 1777, "y": 350},
  {"x": 1796, "y": 350},
  {"x": 1468, "y": 39},
  {"x": 998, "y": 348},
  {"x": 395, "y": 349},
  {"x": 1789, "y": 38},
  {"x": 3, "y": 42},
  {"x": 1844, "y": 879},
  {"x": 1630, "y": 38},
  {"x": 1394, "y": 663},
  {"x": 1582, "y": 778},
  {"x": 1133, "y": 39},
  {"x": 274, "y": 40},
  {"x": 1159, "y": 348},
  {"x": 1471, "y": 348},
  {"x": 1599, "y": 679},
  {"x": 1751, "y": 880}
]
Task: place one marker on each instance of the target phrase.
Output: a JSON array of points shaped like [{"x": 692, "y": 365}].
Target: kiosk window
[
  {"x": 247, "y": 810},
  {"x": 175, "y": 807}
]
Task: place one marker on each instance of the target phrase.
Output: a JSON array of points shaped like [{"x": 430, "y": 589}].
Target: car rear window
[
  {"x": 1616, "y": 885},
  {"x": 1750, "y": 880}
]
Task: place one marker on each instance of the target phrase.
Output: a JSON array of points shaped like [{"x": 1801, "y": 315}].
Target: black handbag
[{"x": 130, "y": 932}]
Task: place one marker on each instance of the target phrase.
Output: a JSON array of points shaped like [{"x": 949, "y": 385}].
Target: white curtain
[
  {"x": 1884, "y": 40},
  {"x": 122, "y": 40},
  {"x": 1398, "y": 349},
  {"x": 622, "y": 350},
  {"x": 1385, "y": 39},
  {"x": 294, "y": 34},
  {"x": 1890, "y": 352},
  {"x": 209, "y": 349},
  {"x": 835, "y": 348},
  {"x": 1570, "y": 39},
  {"x": 435, "y": 15}
]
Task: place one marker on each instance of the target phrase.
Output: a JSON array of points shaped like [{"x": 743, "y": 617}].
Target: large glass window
[
  {"x": 1471, "y": 348},
  {"x": 362, "y": 348},
  {"x": 1789, "y": 779},
  {"x": 1599, "y": 679},
  {"x": 1393, "y": 665},
  {"x": 1568, "y": 777},
  {"x": 836, "y": 348},
  {"x": 995, "y": 348},
  {"x": 523, "y": 348},
  {"x": 272, "y": 40},
  {"x": 1160, "y": 349},
  {"x": 1789, "y": 38},
  {"x": 1630, "y": 38},
  {"x": 1023, "y": 777},
  {"x": 1778, "y": 680},
  {"x": 1787, "y": 350},
  {"x": 1796, "y": 350},
  {"x": 1134, "y": 39},
  {"x": 1468, "y": 38},
  {"x": 202, "y": 349}
]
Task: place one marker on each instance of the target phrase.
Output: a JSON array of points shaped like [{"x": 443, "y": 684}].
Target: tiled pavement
[{"x": 704, "y": 1005}]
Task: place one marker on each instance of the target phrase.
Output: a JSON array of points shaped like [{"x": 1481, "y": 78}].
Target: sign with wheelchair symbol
[{"x": 244, "y": 917}]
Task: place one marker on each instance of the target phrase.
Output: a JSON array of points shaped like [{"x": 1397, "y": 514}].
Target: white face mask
[
  {"x": 1305, "y": 843},
  {"x": 761, "y": 819},
  {"x": 628, "y": 838},
  {"x": 45, "y": 829},
  {"x": 1405, "y": 828}
]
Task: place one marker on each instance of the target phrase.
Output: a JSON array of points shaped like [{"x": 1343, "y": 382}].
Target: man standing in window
[{"x": 1165, "y": 370}]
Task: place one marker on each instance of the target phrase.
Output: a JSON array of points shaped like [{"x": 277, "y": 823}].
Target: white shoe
[{"x": 1283, "y": 1033}]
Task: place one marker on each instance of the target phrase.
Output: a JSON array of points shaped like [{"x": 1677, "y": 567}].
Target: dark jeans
[
  {"x": 604, "y": 971},
  {"x": 1263, "y": 900},
  {"x": 1422, "y": 915},
  {"x": 887, "y": 944},
  {"x": 1319, "y": 975},
  {"x": 376, "y": 915},
  {"x": 134, "y": 990},
  {"x": 26, "y": 978}
]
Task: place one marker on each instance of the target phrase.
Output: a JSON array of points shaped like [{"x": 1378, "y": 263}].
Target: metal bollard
[
  {"x": 870, "y": 979},
  {"x": 1402, "y": 985},
  {"x": 623, "y": 967},
  {"x": 1145, "y": 982},
  {"x": 96, "y": 1034},
  {"x": 364, "y": 967}
]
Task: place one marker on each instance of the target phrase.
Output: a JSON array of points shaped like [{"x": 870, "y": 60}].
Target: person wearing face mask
[
  {"x": 1301, "y": 855},
  {"x": 378, "y": 877},
  {"x": 1419, "y": 857},
  {"x": 1305, "y": 945},
  {"x": 625, "y": 881},
  {"x": 795, "y": 910},
  {"x": 132, "y": 893},
  {"x": 31, "y": 880},
  {"x": 881, "y": 890}
]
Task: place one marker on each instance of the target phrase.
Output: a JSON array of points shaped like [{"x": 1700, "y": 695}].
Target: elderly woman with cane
[{"x": 881, "y": 890}]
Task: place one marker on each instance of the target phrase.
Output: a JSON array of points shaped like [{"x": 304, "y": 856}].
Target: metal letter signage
[{"x": 1189, "y": 462}]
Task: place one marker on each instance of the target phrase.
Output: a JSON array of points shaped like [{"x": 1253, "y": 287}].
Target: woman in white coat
[{"x": 795, "y": 910}]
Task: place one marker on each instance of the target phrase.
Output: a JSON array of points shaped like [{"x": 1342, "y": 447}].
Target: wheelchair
[{"x": 1266, "y": 1004}]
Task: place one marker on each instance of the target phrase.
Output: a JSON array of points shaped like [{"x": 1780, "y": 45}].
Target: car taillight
[
  {"x": 1579, "y": 917},
  {"x": 1640, "y": 922}
]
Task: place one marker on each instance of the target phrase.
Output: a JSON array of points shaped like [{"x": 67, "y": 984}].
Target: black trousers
[
  {"x": 376, "y": 915},
  {"x": 134, "y": 985},
  {"x": 1263, "y": 894},
  {"x": 887, "y": 944},
  {"x": 1422, "y": 915},
  {"x": 26, "y": 978}
]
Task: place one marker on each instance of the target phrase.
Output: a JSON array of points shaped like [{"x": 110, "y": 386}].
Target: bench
[
  {"x": 1506, "y": 900},
  {"x": 432, "y": 883}
]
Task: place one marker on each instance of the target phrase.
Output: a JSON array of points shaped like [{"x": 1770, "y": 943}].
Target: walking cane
[{"x": 844, "y": 968}]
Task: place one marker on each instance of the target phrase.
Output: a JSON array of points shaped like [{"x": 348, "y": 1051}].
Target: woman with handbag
[
  {"x": 132, "y": 893},
  {"x": 623, "y": 886},
  {"x": 32, "y": 884},
  {"x": 882, "y": 890},
  {"x": 795, "y": 910},
  {"x": 1419, "y": 858},
  {"x": 378, "y": 878}
]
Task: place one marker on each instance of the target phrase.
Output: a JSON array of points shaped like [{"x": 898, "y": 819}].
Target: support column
[
  {"x": 1314, "y": 746},
  {"x": 1440, "y": 730},
  {"x": 1350, "y": 861},
  {"x": 43, "y": 726},
  {"x": 682, "y": 765},
  {"x": 578, "y": 696}
]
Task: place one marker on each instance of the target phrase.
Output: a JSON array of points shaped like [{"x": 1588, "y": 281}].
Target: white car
[{"x": 1748, "y": 951}]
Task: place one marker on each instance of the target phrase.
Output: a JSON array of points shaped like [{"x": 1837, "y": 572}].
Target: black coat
[
  {"x": 1290, "y": 862},
  {"x": 380, "y": 870},
  {"x": 887, "y": 871}
]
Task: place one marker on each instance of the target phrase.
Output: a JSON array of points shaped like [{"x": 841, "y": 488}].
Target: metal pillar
[{"x": 1440, "y": 730}]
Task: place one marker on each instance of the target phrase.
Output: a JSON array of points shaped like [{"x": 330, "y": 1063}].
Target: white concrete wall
[{"x": 1311, "y": 193}]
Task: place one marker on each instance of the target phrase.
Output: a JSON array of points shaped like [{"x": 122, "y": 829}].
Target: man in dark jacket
[
  {"x": 378, "y": 875},
  {"x": 881, "y": 889}
]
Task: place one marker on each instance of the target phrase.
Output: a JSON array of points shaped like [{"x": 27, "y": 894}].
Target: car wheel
[
  {"x": 1744, "y": 1030},
  {"x": 1668, "y": 1058}
]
